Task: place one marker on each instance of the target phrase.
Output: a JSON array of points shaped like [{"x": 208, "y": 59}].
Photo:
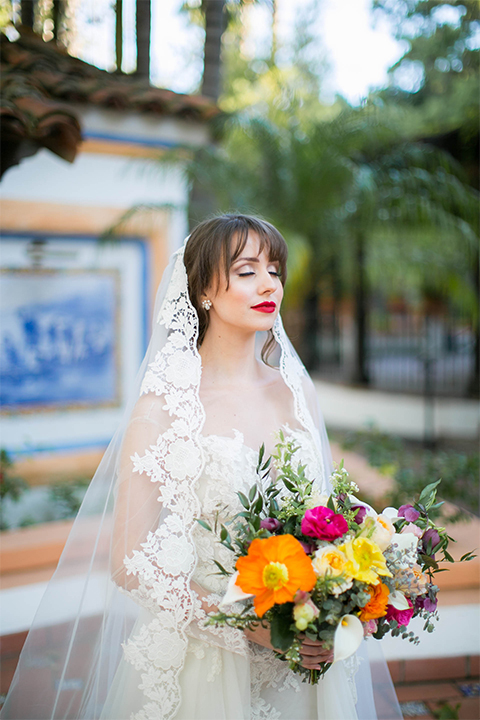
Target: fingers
[{"x": 313, "y": 653}]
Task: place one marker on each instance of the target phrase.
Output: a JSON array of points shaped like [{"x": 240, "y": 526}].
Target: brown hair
[{"x": 220, "y": 241}]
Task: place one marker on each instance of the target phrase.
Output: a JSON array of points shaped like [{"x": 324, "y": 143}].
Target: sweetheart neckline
[{"x": 239, "y": 434}]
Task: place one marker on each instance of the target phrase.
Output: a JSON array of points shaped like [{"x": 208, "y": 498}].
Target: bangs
[{"x": 270, "y": 241}]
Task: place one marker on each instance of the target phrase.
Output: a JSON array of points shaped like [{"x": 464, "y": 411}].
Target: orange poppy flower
[
  {"x": 377, "y": 605},
  {"x": 273, "y": 571}
]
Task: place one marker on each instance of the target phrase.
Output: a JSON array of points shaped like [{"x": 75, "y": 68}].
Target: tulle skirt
[{"x": 217, "y": 684}]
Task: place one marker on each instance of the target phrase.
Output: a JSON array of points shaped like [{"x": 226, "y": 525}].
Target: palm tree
[
  {"x": 27, "y": 13},
  {"x": 118, "y": 34},
  {"x": 143, "y": 25},
  {"x": 329, "y": 189},
  {"x": 215, "y": 25}
]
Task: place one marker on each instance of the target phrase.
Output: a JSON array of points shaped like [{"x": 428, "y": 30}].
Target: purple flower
[
  {"x": 309, "y": 549},
  {"x": 409, "y": 513},
  {"x": 271, "y": 524},
  {"x": 430, "y": 534},
  {"x": 361, "y": 513},
  {"x": 423, "y": 602},
  {"x": 403, "y": 617},
  {"x": 322, "y": 523}
]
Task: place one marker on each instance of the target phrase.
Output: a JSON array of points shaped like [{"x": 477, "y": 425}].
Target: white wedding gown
[{"x": 224, "y": 676}]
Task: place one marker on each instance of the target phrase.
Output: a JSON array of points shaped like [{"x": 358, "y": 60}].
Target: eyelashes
[{"x": 271, "y": 272}]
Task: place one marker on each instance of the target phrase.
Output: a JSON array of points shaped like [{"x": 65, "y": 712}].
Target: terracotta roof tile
[{"x": 40, "y": 79}]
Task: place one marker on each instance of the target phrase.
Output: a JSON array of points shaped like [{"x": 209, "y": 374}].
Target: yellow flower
[
  {"x": 273, "y": 571},
  {"x": 329, "y": 560},
  {"x": 365, "y": 561}
]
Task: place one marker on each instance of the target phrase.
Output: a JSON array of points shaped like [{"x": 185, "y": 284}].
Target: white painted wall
[
  {"x": 145, "y": 127},
  {"x": 96, "y": 180},
  {"x": 349, "y": 408}
]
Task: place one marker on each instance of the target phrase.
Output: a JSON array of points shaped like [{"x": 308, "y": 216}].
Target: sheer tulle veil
[{"x": 131, "y": 548}]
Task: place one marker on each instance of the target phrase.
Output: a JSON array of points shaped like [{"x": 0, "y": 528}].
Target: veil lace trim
[{"x": 165, "y": 564}]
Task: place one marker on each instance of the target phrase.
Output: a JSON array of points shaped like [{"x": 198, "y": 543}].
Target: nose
[{"x": 268, "y": 285}]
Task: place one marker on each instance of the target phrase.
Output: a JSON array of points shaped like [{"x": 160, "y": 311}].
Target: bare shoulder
[{"x": 273, "y": 382}]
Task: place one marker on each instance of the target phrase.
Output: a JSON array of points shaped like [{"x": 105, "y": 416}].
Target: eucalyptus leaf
[
  {"x": 244, "y": 500},
  {"x": 221, "y": 568},
  {"x": 204, "y": 524}
]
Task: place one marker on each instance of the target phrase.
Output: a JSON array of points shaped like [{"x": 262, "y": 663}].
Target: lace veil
[{"x": 131, "y": 554}]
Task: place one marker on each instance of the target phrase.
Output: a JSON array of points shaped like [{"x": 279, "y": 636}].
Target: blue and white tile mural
[{"x": 59, "y": 338}]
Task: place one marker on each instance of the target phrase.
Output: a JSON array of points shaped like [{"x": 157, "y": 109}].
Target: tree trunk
[
  {"x": 273, "y": 50},
  {"x": 360, "y": 375},
  {"x": 28, "y": 13},
  {"x": 215, "y": 24},
  {"x": 337, "y": 297},
  {"x": 311, "y": 331},
  {"x": 57, "y": 12},
  {"x": 119, "y": 34},
  {"x": 143, "y": 27},
  {"x": 474, "y": 384}
]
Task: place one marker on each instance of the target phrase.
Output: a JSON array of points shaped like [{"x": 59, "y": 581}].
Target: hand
[
  {"x": 313, "y": 653},
  {"x": 260, "y": 635}
]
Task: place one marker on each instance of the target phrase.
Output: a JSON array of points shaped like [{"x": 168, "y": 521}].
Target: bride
[{"x": 137, "y": 577}]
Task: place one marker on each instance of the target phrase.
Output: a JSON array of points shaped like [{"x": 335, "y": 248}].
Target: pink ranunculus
[
  {"x": 301, "y": 597},
  {"x": 411, "y": 528},
  {"x": 369, "y": 627},
  {"x": 322, "y": 523},
  {"x": 403, "y": 617}
]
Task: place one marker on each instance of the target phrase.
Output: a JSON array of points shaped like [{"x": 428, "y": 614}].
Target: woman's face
[{"x": 252, "y": 300}]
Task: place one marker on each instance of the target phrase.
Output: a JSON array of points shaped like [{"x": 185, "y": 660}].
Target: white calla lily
[
  {"x": 398, "y": 600},
  {"x": 355, "y": 501},
  {"x": 406, "y": 544},
  {"x": 234, "y": 593},
  {"x": 391, "y": 513},
  {"x": 347, "y": 638}
]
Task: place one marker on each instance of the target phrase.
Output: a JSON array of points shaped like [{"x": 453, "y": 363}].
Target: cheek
[{"x": 238, "y": 294}]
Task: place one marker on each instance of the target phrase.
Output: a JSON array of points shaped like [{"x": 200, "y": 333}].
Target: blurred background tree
[{"x": 378, "y": 202}]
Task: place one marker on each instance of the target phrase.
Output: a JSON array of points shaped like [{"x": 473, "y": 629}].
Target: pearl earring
[{"x": 206, "y": 304}]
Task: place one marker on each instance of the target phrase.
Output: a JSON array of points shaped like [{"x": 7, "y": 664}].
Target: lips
[{"x": 266, "y": 307}]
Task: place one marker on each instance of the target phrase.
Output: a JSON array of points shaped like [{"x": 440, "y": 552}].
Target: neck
[{"x": 228, "y": 357}]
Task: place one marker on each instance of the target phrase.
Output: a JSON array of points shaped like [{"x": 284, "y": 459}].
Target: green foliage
[
  {"x": 281, "y": 634},
  {"x": 442, "y": 52},
  {"x": 446, "y": 711},
  {"x": 68, "y": 495},
  {"x": 6, "y": 14},
  {"x": 11, "y": 486},
  {"x": 412, "y": 468}
]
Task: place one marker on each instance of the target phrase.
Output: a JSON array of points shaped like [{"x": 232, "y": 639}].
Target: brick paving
[
  {"x": 426, "y": 686},
  {"x": 423, "y": 686}
]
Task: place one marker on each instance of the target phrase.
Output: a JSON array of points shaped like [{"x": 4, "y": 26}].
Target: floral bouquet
[{"x": 327, "y": 567}]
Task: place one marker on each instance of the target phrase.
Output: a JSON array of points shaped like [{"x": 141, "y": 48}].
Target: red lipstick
[{"x": 266, "y": 307}]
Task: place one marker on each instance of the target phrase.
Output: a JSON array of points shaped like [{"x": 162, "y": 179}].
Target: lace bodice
[{"x": 230, "y": 467}]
